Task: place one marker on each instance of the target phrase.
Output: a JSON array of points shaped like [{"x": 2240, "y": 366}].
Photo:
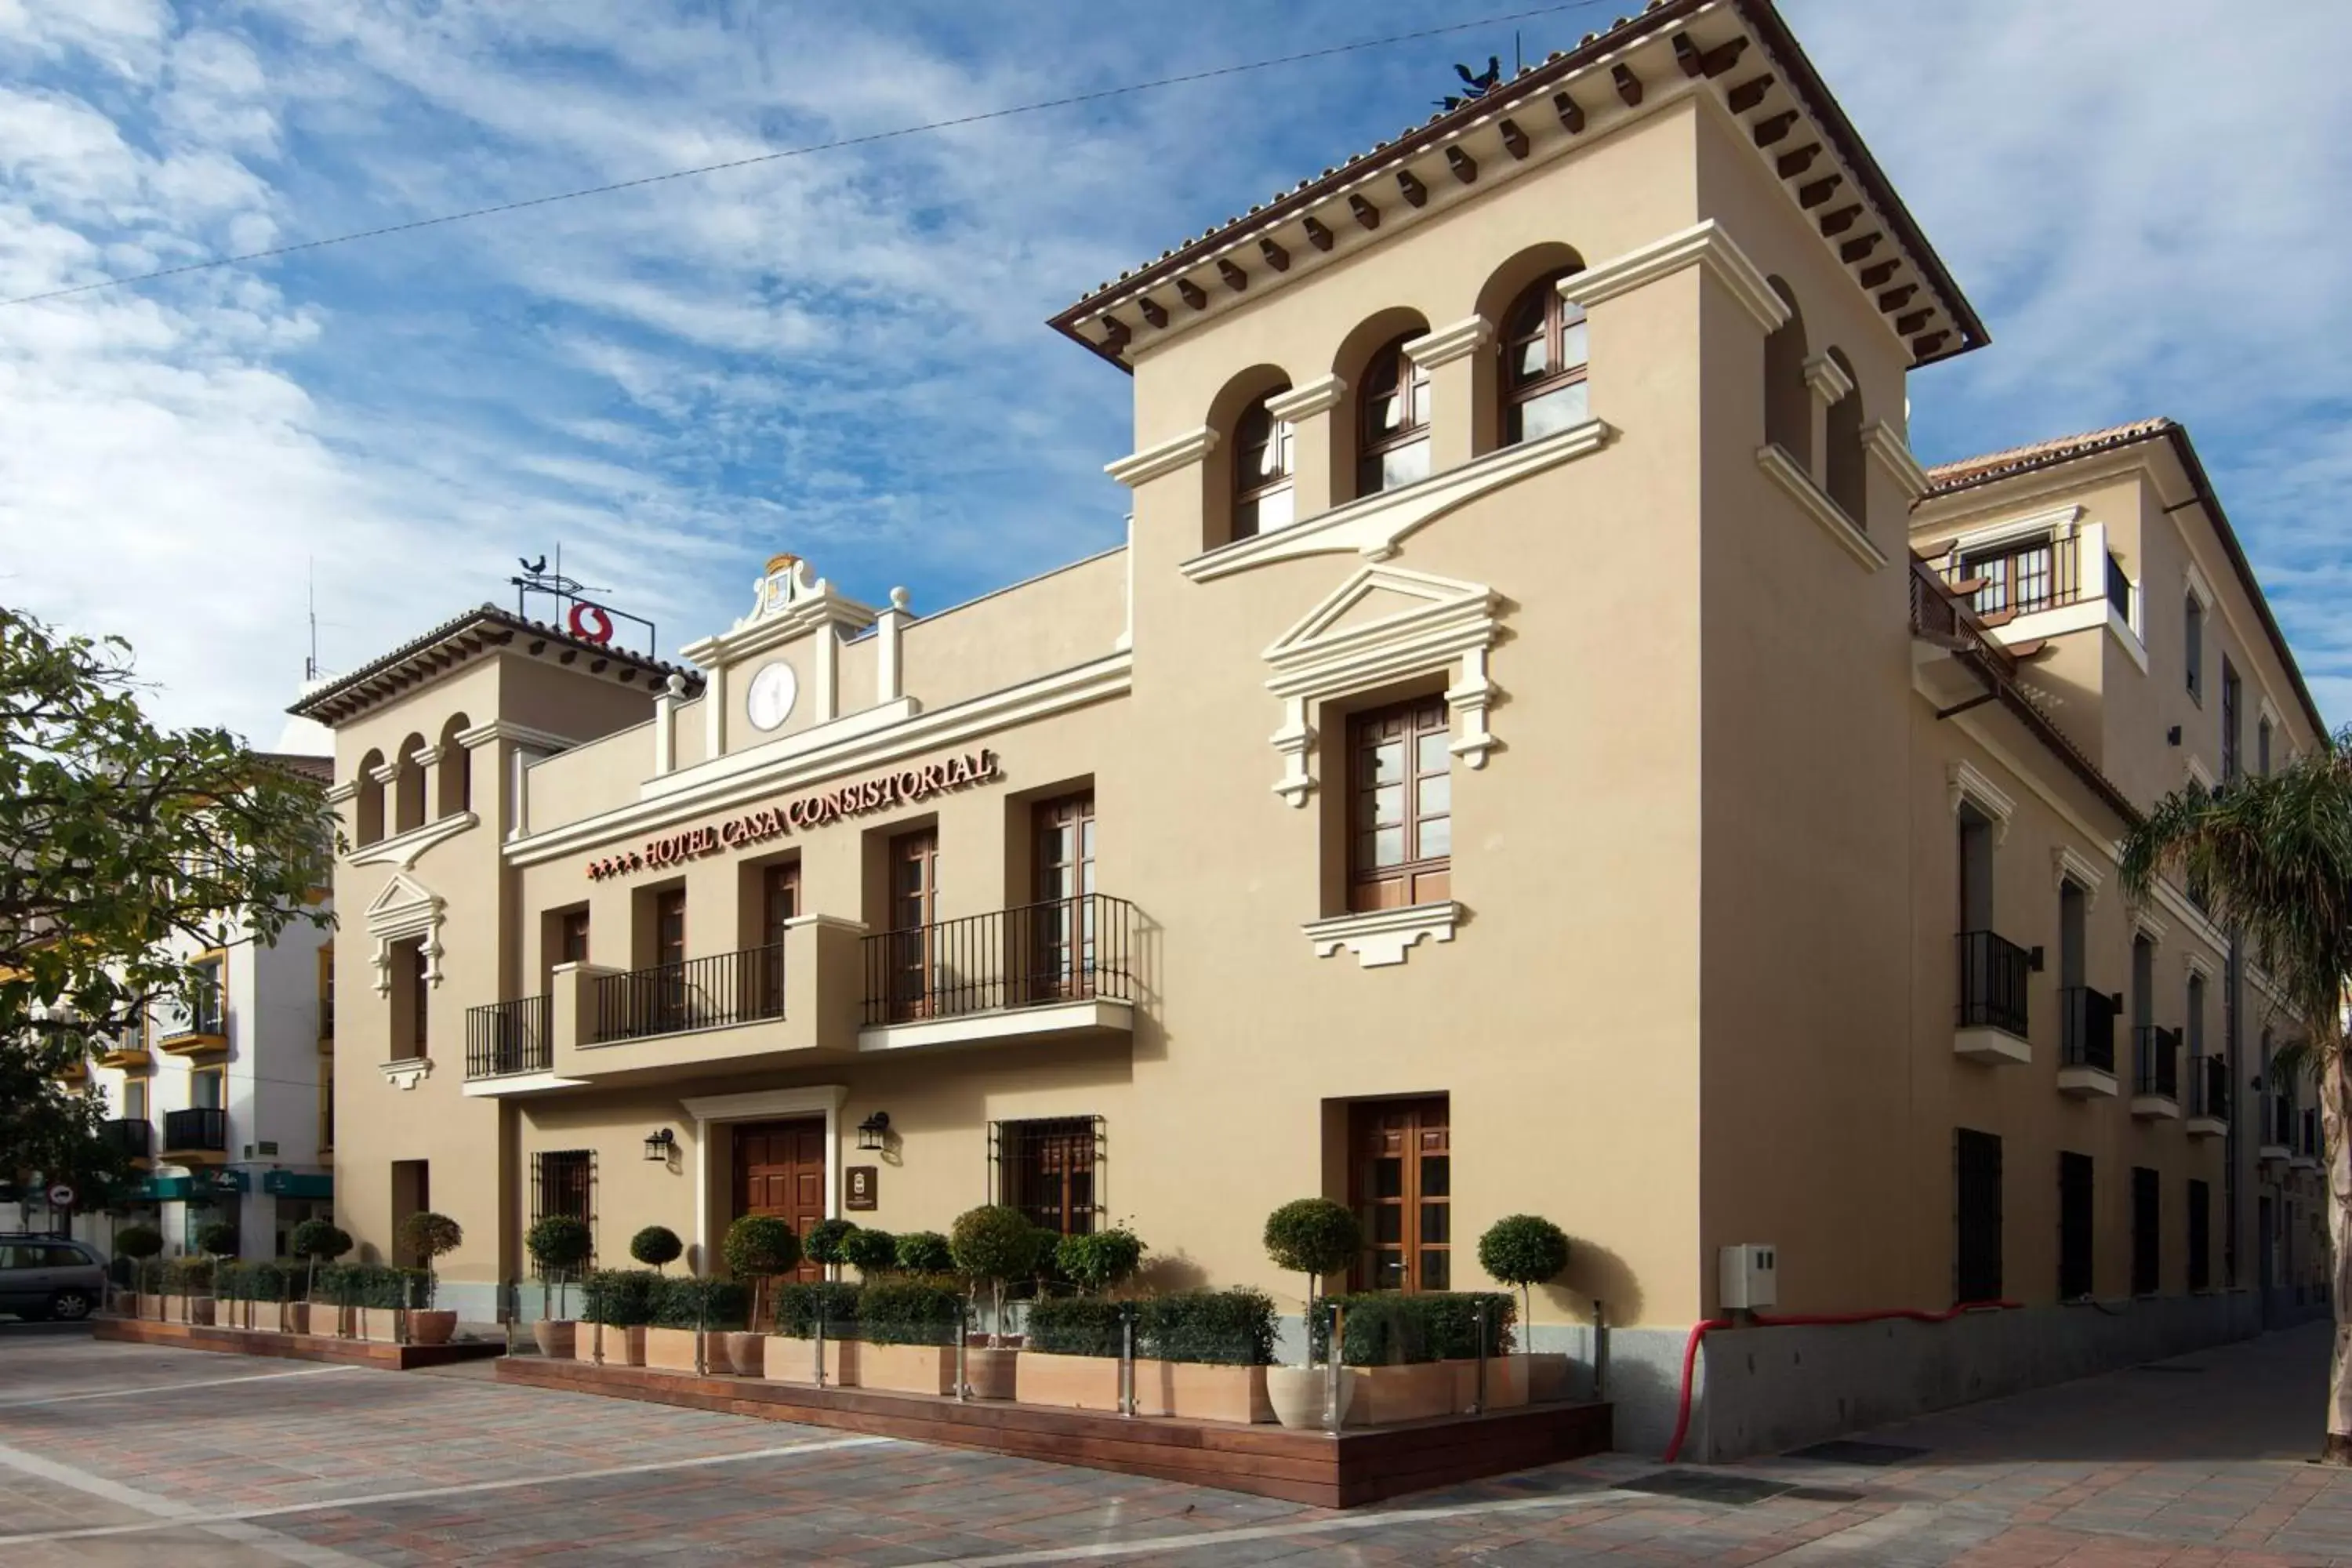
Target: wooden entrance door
[
  {"x": 914, "y": 910},
  {"x": 1400, "y": 1184},
  {"x": 779, "y": 1171}
]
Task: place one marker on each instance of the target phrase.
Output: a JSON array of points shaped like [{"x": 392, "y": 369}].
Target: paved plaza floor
[{"x": 168, "y": 1459}]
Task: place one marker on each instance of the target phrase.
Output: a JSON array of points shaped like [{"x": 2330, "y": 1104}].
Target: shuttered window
[
  {"x": 2145, "y": 1206},
  {"x": 1975, "y": 1273},
  {"x": 2075, "y": 1211}
]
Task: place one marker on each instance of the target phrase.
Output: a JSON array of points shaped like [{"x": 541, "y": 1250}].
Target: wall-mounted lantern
[
  {"x": 661, "y": 1145},
  {"x": 873, "y": 1130}
]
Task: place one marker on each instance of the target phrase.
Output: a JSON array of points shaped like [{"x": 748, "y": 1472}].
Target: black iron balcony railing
[
  {"x": 197, "y": 1131},
  {"x": 2086, "y": 1029},
  {"x": 134, "y": 1140},
  {"x": 2156, "y": 1062},
  {"x": 2209, "y": 1088},
  {"x": 1992, "y": 982},
  {"x": 696, "y": 994},
  {"x": 1064, "y": 950},
  {"x": 504, "y": 1037}
]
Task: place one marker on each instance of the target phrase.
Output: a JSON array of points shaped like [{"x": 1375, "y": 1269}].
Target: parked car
[{"x": 46, "y": 1277}]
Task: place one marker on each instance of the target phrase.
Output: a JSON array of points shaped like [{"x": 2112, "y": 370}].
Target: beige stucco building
[{"x": 1516, "y": 764}]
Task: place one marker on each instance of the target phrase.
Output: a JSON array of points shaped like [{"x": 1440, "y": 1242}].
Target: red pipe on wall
[{"x": 1820, "y": 1319}]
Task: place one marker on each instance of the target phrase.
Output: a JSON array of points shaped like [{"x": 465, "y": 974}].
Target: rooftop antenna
[{"x": 310, "y": 665}]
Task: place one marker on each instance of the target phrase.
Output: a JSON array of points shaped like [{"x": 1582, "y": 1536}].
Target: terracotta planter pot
[
  {"x": 298, "y": 1317},
  {"x": 789, "y": 1360},
  {"x": 1071, "y": 1382},
  {"x": 993, "y": 1371},
  {"x": 747, "y": 1353},
  {"x": 1548, "y": 1377},
  {"x": 188, "y": 1309},
  {"x": 1297, "y": 1392},
  {"x": 907, "y": 1369},
  {"x": 624, "y": 1344},
  {"x": 555, "y": 1338},
  {"x": 672, "y": 1350},
  {"x": 1199, "y": 1391},
  {"x": 432, "y": 1326}
]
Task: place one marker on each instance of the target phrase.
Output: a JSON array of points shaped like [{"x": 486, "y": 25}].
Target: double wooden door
[
  {"x": 1401, "y": 1179},
  {"x": 779, "y": 1171}
]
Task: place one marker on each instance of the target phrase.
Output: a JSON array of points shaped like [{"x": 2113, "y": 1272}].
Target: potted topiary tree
[
  {"x": 995, "y": 1245},
  {"x": 1314, "y": 1236},
  {"x": 559, "y": 1244},
  {"x": 1528, "y": 1250},
  {"x": 924, "y": 1252},
  {"x": 823, "y": 1244},
  {"x": 758, "y": 1247},
  {"x": 1069, "y": 1353},
  {"x": 656, "y": 1246},
  {"x": 873, "y": 1253},
  {"x": 140, "y": 1243},
  {"x": 216, "y": 1240},
  {"x": 431, "y": 1236},
  {"x": 315, "y": 1241}
]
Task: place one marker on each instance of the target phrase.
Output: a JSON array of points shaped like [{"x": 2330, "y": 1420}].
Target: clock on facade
[{"x": 769, "y": 700}]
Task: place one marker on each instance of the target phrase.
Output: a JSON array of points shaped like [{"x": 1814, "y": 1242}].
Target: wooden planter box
[
  {"x": 188, "y": 1309},
  {"x": 672, "y": 1350},
  {"x": 1507, "y": 1383},
  {"x": 1199, "y": 1391},
  {"x": 264, "y": 1317},
  {"x": 906, "y": 1369},
  {"x": 1424, "y": 1391},
  {"x": 1071, "y": 1382},
  {"x": 625, "y": 1346},
  {"x": 379, "y": 1325},
  {"x": 148, "y": 1307},
  {"x": 789, "y": 1360},
  {"x": 1548, "y": 1377}
]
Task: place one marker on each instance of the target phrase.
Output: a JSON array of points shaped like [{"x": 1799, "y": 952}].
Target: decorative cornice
[
  {"x": 1178, "y": 452},
  {"x": 344, "y": 792},
  {"x": 1299, "y": 402},
  {"x": 403, "y": 848},
  {"x": 2067, "y": 865},
  {"x": 1968, "y": 785},
  {"x": 2058, "y": 522},
  {"x": 1815, "y": 503},
  {"x": 1382, "y": 937},
  {"x": 523, "y": 734},
  {"x": 1373, "y": 525},
  {"x": 2199, "y": 773},
  {"x": 1885, "y": 444},
  {"x": 2197, "y": 964},
  {"x": 389, "y": 773},
  {"x": 406, "y": 1072},
  {"x": 1444, "y": 345},
  {"x": 1827, "y": 378},
  {"x": 2148, "y": 924},
  {"x": 1704, "y": 244},
  {"x": 2199, "y": 586}
]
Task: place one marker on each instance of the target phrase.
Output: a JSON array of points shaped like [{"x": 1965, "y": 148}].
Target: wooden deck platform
[
  {"x": 1357, "y": 1467},
  {"x": 293, "y": 1347}
]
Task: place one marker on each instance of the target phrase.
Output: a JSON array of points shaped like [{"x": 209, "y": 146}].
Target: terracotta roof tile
[{"x": 1943, "y": 478}]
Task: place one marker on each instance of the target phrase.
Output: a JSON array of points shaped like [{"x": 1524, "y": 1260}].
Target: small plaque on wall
[{"x": 863, "y": 1187}]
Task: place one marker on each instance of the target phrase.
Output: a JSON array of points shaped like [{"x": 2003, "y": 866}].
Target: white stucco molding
[
  {"x": 388, "y": 775},
  {"x": 2146, "y": 923},
  {"x": 2197, "y": 584},
  {"x": 2197, "y": 964},
  {"x": 403, "y": 848},
  {"x": 1374, "y": 526},
  {"x": 404, "y": 908},
  {"x": 407, "y": 1072},
  {"x": 1315, "y": 397},
  {"x": 1441, "y": 623},
  {"x": 2068, "y": 865},
  {"x": 520, "y": 734},
  {"x": 823, "y": 1100},
  {"x": 1890, "y": 451},
  {"x": 2197, "y": 773},
  {"x": 1178, "y": 452},
  {"x": 1705, "y": 244},
  {"x": 1814, "y": 502},
  {"x": 344, "y": 792},
  {"x": 2058, "y": 522},
  {"x": 1968, "y": 786},
  {"x": 1382, "y": 937},
  {"x": 1827, "y": 378},
  {"x": 1443, "y": 345}
]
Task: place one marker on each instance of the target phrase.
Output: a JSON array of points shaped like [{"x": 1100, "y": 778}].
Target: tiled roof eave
[{"x": 493, "y": 627}]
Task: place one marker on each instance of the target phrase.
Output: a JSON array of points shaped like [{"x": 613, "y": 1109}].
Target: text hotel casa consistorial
[{"x": 813, "y": 810}]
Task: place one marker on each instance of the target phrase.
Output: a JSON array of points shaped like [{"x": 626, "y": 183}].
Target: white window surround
[
  {"x": 1886, "y": 445},
  {"x": 1177, "y": 452},
  {"x": 1969, "y": 787},
  {"x": 520, "y": 734},
  {"x": 2201, "y": 775},
  {"x": 407, "y": 1072},
  {"x": 2149, "y": 924},
  {"x": 1443, "y": 345},
  {"x": 1314, "y": 397},
  {"x": 1705, "y": 244},
  {"x": 344, "y": 792},
  {"x": 2068, "y": 866},
  {"x": 709, "y": 1110},
  {"x": 1380, "y": 938},
  {"x": 403, "y": 848},
  {"x": 1446, "y": 621},
  {"x": 2061, "y": 522},
  {"x": 2198, "y": 964},
  {"x": 2194, "y": 580},
  {"x": 1374, "y": 525},
  {"x": 404, "y": 908},
  {"x": 1815, "y": 503},
  {"x": 1827, "y": 378}
]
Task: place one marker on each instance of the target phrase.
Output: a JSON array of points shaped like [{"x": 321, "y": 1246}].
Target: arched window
[
  {"x": 367, "y": 825},
  {"x": 408, "y": 787},
  {"x": 1261, "y": 469},
  {"x": 454, "y": 773},
  {"x": 1788, "y": 400},
  {"x": 1392, "y": 420},
  {"x": 1543, "y": 362},
  {"x": 1845, "y": 475}
]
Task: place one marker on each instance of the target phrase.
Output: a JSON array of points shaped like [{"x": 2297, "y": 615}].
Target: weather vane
[{"x": 581, "y": 616}]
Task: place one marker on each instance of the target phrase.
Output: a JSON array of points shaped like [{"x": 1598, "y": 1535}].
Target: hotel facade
[{"x": 1546, "y": 746}]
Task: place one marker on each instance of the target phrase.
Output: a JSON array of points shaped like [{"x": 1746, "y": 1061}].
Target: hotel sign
[{"x": 813, "y": 810}]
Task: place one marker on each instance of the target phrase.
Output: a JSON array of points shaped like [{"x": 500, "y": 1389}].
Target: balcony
[
  {"x": 2306, "y": 1145},
  {"x": 1991, "y": 1021},
  {"x": 205, "y": 1028},
  {"x": 2278, "y": 1133},
  {"x": 503, "y": 1039},
  {"x": 715, "y": 992},
  {"x": 2038, "y": 587},
  {"x": 126, "y": 1052},
  {"x": 2086, "y": 1043},
  {"x": 2156, "y": 1074},
  {"x": 133, "y": 1139},
  {"x": 1054, "y": 969},
  {"x": 194, "y": 1133},
  {"x": 2208, "y": 1097}
]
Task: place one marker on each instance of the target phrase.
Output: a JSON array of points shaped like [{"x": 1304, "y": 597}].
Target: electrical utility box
[{"x": 1751, "y": 1277}]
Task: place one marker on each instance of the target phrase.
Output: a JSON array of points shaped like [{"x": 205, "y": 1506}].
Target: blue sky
[{"x": 844, "y": 356}]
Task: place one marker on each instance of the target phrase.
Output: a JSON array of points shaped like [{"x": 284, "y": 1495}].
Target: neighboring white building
[{"x": 227, "y": 1109}]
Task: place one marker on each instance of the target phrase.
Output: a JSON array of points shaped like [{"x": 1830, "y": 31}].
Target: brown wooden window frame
[
  {"x": 1425, "y": 878},
  {"x": 1060, "y": 1156},
  {"x": 1540, "y": 315},
  {"x": 1064, "y": 943},
  {"x": 2011, "y": 586},
  {"x": 1251, "y": 492},
  {"x": 1390, "y": 376}
]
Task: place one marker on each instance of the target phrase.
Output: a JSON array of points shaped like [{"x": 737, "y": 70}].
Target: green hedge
[
  {"x": 692, "y": 1303},
  {"x": 252, "y": 1283},
  {"x": 187, "y": 1275},
  {"x": 1223, "y": 1328},
  {"x": 619, "y": 1298},
  {"x": 373, "y": 1285},
  {"x": 910, "y": 1311},
  {"x": 1385, "y": 1329},
  {"x": 1076, "y": 1325},
  {"x": 800, "y": 1304}
]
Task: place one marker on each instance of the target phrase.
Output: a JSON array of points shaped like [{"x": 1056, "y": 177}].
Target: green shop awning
[{"x": 298, "y": 1184}]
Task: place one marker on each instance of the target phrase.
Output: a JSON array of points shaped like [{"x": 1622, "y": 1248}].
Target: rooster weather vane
[{"x": 1474, "y": 84}]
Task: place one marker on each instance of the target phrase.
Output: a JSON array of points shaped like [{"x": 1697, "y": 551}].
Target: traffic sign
[{"x": 61, "y": 1196}]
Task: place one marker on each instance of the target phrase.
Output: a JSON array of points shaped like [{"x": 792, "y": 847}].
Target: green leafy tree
[
  {"x": 123, "y": 848},
  {"x": 995, "y": 1245},
  {"x": 924, "y": 1252},
  {"x": 216, "y": 1238},
  {"x": 315, "y": 1241},
  {"x": 2272, "y": 856},
  {"x": 873, "y": 1253},
  {"x": 427, "y": 1237},
  {"x": 1524, "y": 1250},
  {"x": 824, "y": 1243},
  {"x": 559, "y": 1244},
  {"x": 758, "y": 1247},
  {"x": 1314, "y": 1236},
  {"x": 656, "y": 1246},
  {"x": 1101, "y": 1261}
]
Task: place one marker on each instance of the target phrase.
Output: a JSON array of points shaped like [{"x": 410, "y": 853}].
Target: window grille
[{"x": 1051, "y": 1170}]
